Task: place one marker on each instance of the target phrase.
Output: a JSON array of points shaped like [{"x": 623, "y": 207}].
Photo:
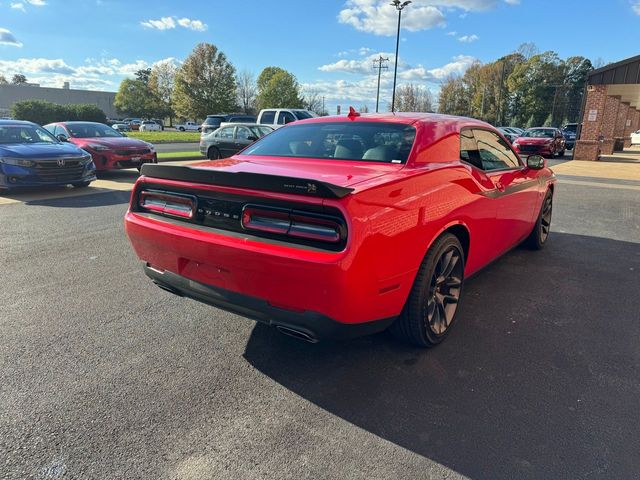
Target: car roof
[
  {"x": 449, "y": 121},
  {"x": 15, "y": 122}
]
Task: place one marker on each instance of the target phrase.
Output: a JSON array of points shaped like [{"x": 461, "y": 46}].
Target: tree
[
  {"x": 278, "y": 88},
  {"x": 134, "y": 98},
  {"x": 19, "y": 79},
  {"x": 453, "y": 98},
  {"x": 3, "y": 80},
  {"x": 143, "y": 75},
  {"x": 313, "y": 102},
  {"x": 161, "y": 83},
  {"x": 205, "y": 84},
  {"x": 247, "y": 90},
  {"x": 413, "y": 98}
]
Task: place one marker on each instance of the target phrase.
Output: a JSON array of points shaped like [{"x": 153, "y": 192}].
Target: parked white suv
[
  {"x": 188, "y": 127},
  {"x": 277, "y": 117},
  {"x": 150, "y": 126}
]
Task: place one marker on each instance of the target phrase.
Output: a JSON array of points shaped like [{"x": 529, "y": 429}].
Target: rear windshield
[
  {"x": 571, "y": 128},
  {"x": 539, "y": 133},
  {"x": 91, "y": 130},
  {"x": 365, "y": 141},
  {"x": 213, "y": 120},
  {"x": 302, "y": 114}
]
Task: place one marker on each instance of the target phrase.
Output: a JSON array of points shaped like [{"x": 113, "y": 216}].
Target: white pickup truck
[
  {"x": 278, "y": 117},
  {"x": 188, "y": 127}
]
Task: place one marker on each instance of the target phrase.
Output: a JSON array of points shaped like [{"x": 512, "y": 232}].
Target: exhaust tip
[
  {"x": 292, "y": 332},
  {"x": 169, "y": 289}
]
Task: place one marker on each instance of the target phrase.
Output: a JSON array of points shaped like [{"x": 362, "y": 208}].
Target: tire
[
  {"x": 538, "y": 237},
  {"x": 213, "y": 154},
  {"x": 181, "y": 129},
  {"x": 200, "y": 130},
  {"x": 415, "y": 324},
  {"x": 81, "y": 185},
  {"x": 561, "y": 154}
]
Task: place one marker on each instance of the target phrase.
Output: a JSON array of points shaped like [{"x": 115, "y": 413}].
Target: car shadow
[
  {"x": 91, "y": 199},
  {"x": 538, "y": 379},
  {"x": 129, "y": 175}
]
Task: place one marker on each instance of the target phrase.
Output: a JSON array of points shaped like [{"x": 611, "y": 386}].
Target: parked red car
[
  {"x": 342, "y": 226},
  {"x": 109, "y": 148},
  {"x": 542, "y": 141}
]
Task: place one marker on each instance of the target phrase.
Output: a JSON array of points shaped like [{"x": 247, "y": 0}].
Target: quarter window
[
  {"x": 243, "y": 133},
  {"x": 225, "y": 132},
  {"x": 486, "y": 150}
]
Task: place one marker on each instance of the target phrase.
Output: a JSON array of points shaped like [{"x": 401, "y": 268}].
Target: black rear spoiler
[{"x": 256, "y": 181}]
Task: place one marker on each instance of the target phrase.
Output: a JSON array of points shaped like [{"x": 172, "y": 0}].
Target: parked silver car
[{"x": 230, "y": 139}]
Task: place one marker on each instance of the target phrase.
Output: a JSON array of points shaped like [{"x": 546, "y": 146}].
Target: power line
[{"x": 379, "y": 64}]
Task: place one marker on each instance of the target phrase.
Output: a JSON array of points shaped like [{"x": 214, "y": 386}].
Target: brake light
[
  {"x": 183, "y": 206},
  {"x": 292, "y": 223}
]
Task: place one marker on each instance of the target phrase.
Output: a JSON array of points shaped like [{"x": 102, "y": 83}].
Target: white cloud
[
  {"x": 169, "y": 23},
  {"x": 468, "y": 38},
  {"x": 380, "y": 18},
  {"x": 8, "y": 38},
  {"x": 37, "y": 3},
  {"x": 18, "y": 6},
  {"x": 459, "y": 65},
  {"x": 35, "y": 65},
  {"x": 452, "y": 34},
  {"x": 165, "y": 23},
  {"x": 512, "y": 2},
  {"x": 636, "y": 7},
  {"x": 196, "y": 25},
  {"x": 362, "y": 66}
]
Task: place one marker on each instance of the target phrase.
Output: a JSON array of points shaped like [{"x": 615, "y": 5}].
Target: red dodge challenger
[{"x": 343, "y": 226}]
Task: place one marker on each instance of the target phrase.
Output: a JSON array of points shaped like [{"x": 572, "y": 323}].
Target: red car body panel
[
  {"x": 393, "y": 215},
  {"x": 122, "y": 152}
]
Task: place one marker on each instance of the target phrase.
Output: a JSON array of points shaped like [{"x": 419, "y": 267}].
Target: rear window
[
  {"x": 302, "y": 114},
  {"x": 243, "y": 119},
  {"x": 213, "y": 120},
  {"x": 364, "y": 141},
  {"x": 570, "y": 128}
]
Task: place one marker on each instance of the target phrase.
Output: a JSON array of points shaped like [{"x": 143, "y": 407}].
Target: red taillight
[
  {"x": 292, "y": 223},
  {"x": 183, "y": 206}
]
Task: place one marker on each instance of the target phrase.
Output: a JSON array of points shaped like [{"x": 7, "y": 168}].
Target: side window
[
  {"x": 285, "y": 117},
  {"x": 494, "y": 152},
  {"x": 243, "y": 133},
  {"x": 469, "y": 149},
  {"x": 226, "y": 133},
  {"x": 268, "y": 117}
]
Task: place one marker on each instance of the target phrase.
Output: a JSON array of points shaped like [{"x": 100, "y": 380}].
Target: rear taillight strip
[
  {"x": 183, "y": 206},
  {"x": 292, "y": 223}
]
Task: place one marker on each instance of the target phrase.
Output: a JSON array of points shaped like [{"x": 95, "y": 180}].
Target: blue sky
[{"x": 327, "y": 44}]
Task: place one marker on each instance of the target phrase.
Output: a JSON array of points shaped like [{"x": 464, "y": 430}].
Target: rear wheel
[
  {"x": 181, "y": 129},
  {"x": 540, "y": 233},
  {"x": 213, "y": 154},
  {"x": 561, "y": 153},
  {"x": 434, "y": 298}
]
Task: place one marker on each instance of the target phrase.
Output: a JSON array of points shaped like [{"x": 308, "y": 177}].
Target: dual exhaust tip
[{"x": 291, "y": 332}]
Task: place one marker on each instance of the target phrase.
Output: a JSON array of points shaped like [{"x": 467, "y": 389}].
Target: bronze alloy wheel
[
  {"x": 444, "y": 291},
  {"x": 545, "y": 219}
]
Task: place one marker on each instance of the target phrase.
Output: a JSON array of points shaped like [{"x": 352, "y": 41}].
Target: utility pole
[
  {"x": 399, "y": 6},
  {"x": 323, "y": 105},
  {"x": 379, "y": 64},
  {"x": 500, "y": 95}
]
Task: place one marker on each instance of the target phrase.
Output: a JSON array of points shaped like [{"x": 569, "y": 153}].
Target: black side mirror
[
  {"x": 535, "y": 162},
  {"x": 252, "y": 138},
  {"x": 62, "y": 137}
]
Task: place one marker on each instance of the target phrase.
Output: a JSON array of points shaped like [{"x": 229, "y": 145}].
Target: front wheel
[
  {"x": 561, "y": 153},
  {"x": 181, "y": 129},
  {"x": 540, "y": 233},
  {"x": 434, "y": 298}
]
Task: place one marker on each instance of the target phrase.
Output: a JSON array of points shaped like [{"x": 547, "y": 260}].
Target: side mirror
[
  {"x": 62, "y": 137},
  {"x": 252, "y": 138},
  {"x": 535, "y": 162}
]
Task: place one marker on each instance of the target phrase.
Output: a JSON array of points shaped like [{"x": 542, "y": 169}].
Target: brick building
[{"x": 610, "y": 110}]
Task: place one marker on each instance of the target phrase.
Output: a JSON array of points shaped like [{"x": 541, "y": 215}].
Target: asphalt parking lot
[{"x": 103, "y": 375}]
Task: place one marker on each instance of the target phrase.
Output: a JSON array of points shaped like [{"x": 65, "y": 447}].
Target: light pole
[{"x": 399, "y": 6}]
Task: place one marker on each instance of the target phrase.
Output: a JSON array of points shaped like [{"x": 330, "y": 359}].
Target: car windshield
[
  {"x": 365, "y": 141},
  {"x": 539, "y": 133},
  {"x": 91, "y": 130},
  {"x": 10, "y": 134}
]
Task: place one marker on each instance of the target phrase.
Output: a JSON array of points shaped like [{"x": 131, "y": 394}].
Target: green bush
[{"x": 43, "y": 112}]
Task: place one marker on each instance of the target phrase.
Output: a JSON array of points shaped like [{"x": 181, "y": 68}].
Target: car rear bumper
[
  {"x": 308, "y": 282},
  {"x": 534, "y": 150},
  {"x": 307, "y": 325}
]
